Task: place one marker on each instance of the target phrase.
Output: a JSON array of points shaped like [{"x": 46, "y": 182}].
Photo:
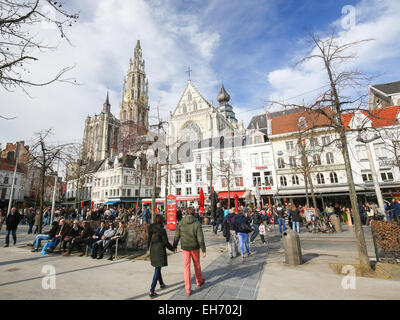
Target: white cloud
[
  {"x": 376, "y": 19},
  {"x": 104, "y": 41}
]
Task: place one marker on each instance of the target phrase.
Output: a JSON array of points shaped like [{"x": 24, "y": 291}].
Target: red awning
[{"x": 224, "y": 194}]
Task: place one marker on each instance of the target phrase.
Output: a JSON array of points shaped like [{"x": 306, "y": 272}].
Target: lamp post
[
  {"x": 378, "y": 192},
  {"x": 53, "y": 204}
]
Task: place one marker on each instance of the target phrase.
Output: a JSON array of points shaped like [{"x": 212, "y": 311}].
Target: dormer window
[{"x": 184, "y": 108}]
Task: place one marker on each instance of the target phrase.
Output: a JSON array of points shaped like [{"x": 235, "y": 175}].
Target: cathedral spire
[{"x": 107, "y": 105}]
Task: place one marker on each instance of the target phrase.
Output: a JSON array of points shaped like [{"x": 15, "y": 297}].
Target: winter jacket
[
  {"x": 190, "y": 233},
  {"x": 74, "y": 232},
  {"x": 219, "y": 215},
  {"x": 280, "y": 212},
  {"x": 157, "y": 242},
  {"x": 295, "y": 215},
  {"x": 240, "y": 219},
  {"x": 230, "y": 219},
  {"x": 13, "y": 220}
]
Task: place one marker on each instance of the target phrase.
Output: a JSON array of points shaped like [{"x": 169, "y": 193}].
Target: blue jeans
[
  {"x": 53, "y": 243},
  {"x": 296, "y": 226},
  {"x": 243, "y": 239},
  {"x": 38, "y": 239},
  {"x": 281, "y": 222},
  {"x": 14, "y": 235},
  {"x": 217, "y": 224},
  {"x": 30, "y": 228},
  {"x": 157, "y": 277}
]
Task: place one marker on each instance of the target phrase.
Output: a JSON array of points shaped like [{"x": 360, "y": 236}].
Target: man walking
[
  {"x": 230, "y": 219},
  {"x": 12, "y": 221},
  {"x": 190, "y": 233},
  {"x": 257, "y": 220},
  {"x": 280, "y": 211},
  {"x": 219, "y": 217}
]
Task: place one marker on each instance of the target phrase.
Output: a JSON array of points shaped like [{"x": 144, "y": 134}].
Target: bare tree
[
  {"x": 19, "y": 43},
  {"x": 336, "y": 101},
  {"x": 43, "y": 155}
]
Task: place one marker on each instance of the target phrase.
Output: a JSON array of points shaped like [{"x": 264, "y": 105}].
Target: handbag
[{"x": 261, "y": 229}]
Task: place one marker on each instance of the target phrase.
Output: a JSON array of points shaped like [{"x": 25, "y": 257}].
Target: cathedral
[
  {"x": 106, "y": 136},
  {"x": 196, "y": 119}
]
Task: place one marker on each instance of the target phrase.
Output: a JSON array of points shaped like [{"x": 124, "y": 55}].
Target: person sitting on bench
[{"x": 120, "y": 235}]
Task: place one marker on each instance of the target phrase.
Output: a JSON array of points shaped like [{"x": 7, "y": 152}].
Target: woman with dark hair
[{"x": 157, "y": 242}]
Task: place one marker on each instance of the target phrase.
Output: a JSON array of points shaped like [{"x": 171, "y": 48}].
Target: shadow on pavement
[{"x": 60, "y": 273}]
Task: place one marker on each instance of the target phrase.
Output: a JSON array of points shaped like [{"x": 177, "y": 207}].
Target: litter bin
[
  {"x": 291, "y": 244},
  {"x": 336, "y": 223}
]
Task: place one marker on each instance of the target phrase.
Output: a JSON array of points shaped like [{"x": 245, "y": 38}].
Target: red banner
[{"x": 171, "y": 212}]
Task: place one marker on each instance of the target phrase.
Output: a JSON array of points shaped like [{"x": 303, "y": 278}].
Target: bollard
[
  {"x": 291, "y": 244},
  {"x": 336, "y": 223}
]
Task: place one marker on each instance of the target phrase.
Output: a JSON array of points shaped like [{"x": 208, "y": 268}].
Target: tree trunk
[
  {"x": 42, "y": 187},
  {"x": 362, "y": 247}
]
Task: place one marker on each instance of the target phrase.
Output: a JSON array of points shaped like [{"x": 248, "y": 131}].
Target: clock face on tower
[{"x": 128, "y": 97}]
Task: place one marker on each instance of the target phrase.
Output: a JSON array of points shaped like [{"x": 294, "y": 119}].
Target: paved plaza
[{"x": 263, "y": 275}]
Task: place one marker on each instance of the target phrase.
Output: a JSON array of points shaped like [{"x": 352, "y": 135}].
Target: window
[
  {"x": 209, "y": 173},
  {"x": 136, "y": 192},
  {"x": 281, "y": 163},
  {"x": 265, "y": 158},
  {"x": 295, "y": 180},
  {"x": 254, "y": 159},
  {"x": 325, "y": 140},
  {"x": 239, "y": 181},
  {"x": 387, "y": 176},
  {"x": 123, "y": 192},
  {"x": 317, "y": 159},
  {"x": 329, "y": 158},
  {"x": 256, "y": 179},
  {"x": 289, "y": 145},
  {"x": 333, "y": 177},
  {"x": 380, "y": 151},
  {"x": 208, "y": 190},
  {"x": 194, "y": 106},
  {"x": 367, "y": 177},
  {"x": 269, "y": 181},
  {"x": 178, "y": 177},
  {"x": 258, "y": 139},
  {"x": 237, "y": 165},
  {"x": 188, "y": 191},
  {"x": 361, "y": 152},
  {"x": 320, "y": 178},
  {"x": 128, "y": 192},
  {"x": 292, "y": 161},
  {"x": 198, "y": 190},
  {"x": 313, "y": 142},
  {"x": 188, "y": 175},
  {"x": 224, "y": 182},
  {"x": 283, "y": 181},
  {"x": 184, "y": 108},
  {"x": 199, "y": 176},
  {"x": 198, "y": 158}
]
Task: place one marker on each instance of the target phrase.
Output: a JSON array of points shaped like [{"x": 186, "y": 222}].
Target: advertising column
[{"x": 171, "y": 212}]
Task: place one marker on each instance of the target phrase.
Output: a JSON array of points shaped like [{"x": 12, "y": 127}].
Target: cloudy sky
[{"x": 250, "y": 46}]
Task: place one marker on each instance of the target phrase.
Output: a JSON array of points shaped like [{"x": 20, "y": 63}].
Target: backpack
[{"x": 244, "y": 228}]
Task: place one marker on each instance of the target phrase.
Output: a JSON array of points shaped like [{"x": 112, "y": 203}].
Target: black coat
[
  {"x": 219, "y": 217},
  {"x": 13, "y": 220},
  {"x": 157, "y": 241},
  {"x": 295, "y": 215}
]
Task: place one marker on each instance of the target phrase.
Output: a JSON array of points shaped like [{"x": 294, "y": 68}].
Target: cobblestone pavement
[{"x": 229, "y": 279}]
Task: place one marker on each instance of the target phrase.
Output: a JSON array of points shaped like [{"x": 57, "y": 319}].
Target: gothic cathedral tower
[{"x": 134, "y": 114}]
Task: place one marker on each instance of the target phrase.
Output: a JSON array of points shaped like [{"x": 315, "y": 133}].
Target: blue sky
[{"x": 250, "y": 46}]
